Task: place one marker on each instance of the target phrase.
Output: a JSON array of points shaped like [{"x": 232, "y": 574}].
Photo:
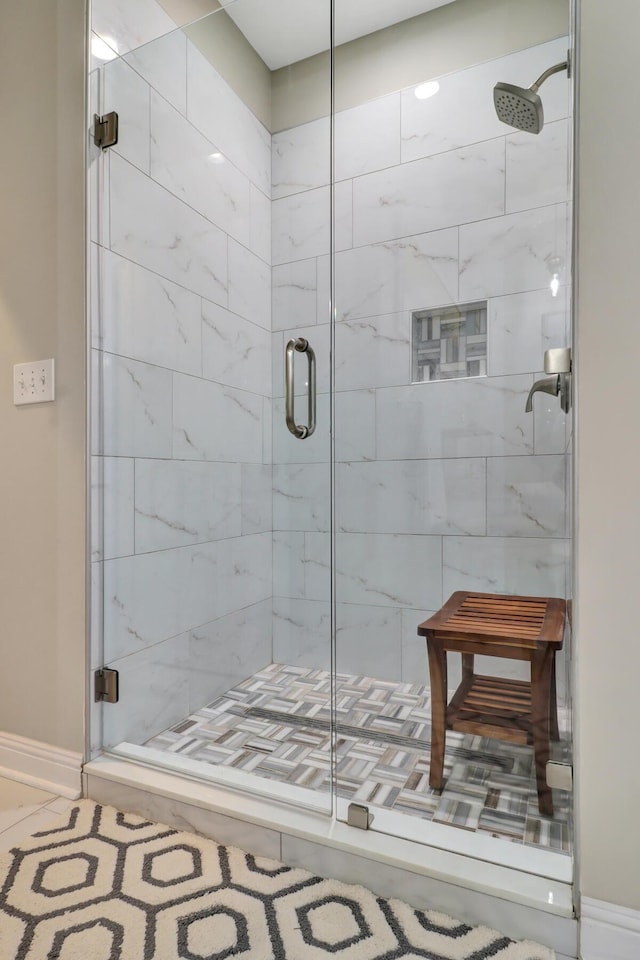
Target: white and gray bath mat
[{"x": 105, "y": 885}]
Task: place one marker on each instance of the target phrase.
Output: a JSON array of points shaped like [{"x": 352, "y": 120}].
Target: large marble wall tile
[
  {"x": 301, "y": 158},
  {"x": 181, "y": 160},
  {"x": 95, "y": 294},
  {"x": 227, "y": 651},
  {"x": 112, "y": 507},
  {"x": 260, "y": 234},
  {"x": 430, "y": 194},
  {"x": 368, "y": 641},
  {"x": 301, "y": 496},
  {"x": 143, "y": 602},
  {"x": 511, "y": 254},
  {"x": 163, "y": 64},
  {"x": 526, "y": 496},
  {"x": 324, "y": 306},
  {"x": 257, "y": 498},
  {"x": 462, "y": 111},
  {"x": 96, "y": 571},
  {"x": 313, "y": 449},
  {"x": 267, "y": 430},
  {"x": 136, "y": 408},
  {"x": 373, "y": 352},
  {"x": 153, "y": 228},
  {"x": 367, "y": 137},
  {"x": 293, "y": 294},
  {"x": 154, "y": 596},
  {"x": 413, "y": 497},
  {"x": 521, "y": 328},
  {"x": 213, "y": 422},
  {"x": 147, "y": 317},
  {"x": 399, "y": 275},
  {"x": 302, "y": 633},
  {"x": 126, "y": 92},
  {"x": 415, "y": 667},
  {"x": 389, "y": 570},
  {"x": 538, "y": 167},
  {"x": 289, "y": 564},
  {"x": 355, "y": 425},
  {"x": 343, "y": 222},
  {"x": 154, "y": 686},
  {"x": 245, "y": 571},
  {"x": 125, "y": 25},
  {"x": 317, "y": 566},
  {"x": 551, "y": 427},
  {"x": 180, "y": 502},
  {"x": 478, "y": 417},
  {"x": 300, "y": 226},
  {"x": 530, "y": 567},
  {"x": 249, "y": 285},
  {"x": 319, "y": 339},
  {"x": 220, "y": 114},
  {"x": 235, "y": 351}
]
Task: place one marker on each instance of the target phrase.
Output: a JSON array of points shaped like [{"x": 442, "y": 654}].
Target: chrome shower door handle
[{"x": 302, "y": 346}]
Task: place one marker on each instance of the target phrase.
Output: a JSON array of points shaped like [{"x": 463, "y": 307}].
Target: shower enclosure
[{"x": 327, "y": 225}]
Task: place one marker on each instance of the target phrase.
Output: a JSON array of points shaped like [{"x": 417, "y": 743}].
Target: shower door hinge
[
  {"x": 358, "y": 816},
  {"x": 106, "y": 685},
  {"x": 559, "y": 775},
  {"x": 105, "y": 130}
]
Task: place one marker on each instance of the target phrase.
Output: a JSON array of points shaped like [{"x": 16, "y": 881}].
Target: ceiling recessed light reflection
[
  {"x": 104, "y": 48},
  {"x": 215, "y": 157},
  {"x": 425, "y": 90}
]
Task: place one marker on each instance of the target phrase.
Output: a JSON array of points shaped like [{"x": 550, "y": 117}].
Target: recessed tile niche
[{"x": 449, "y": 342}]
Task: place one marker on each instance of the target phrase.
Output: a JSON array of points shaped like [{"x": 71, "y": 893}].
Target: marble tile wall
[
  {"x": 439, "y": 486},
  {"x": 181, "y": 336}
]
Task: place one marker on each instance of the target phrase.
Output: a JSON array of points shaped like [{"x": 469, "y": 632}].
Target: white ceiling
[{"x": 285, "y": 31}]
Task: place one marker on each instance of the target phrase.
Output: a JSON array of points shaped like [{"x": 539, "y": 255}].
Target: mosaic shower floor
[{"x": 276, "y": 725}]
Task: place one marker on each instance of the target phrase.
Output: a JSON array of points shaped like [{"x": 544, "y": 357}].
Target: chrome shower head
[{"x": 521, "y": 107}]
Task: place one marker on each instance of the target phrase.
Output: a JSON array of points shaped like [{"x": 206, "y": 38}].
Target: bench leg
[
  {"x": 467, "y": 665},
  {"x": 438, "y": 680},
  {"x": 541, "y": 671},
  {"x": 553, "y": 703}
]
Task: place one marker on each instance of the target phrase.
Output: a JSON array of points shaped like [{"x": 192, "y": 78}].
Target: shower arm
[{"x": 558, "y": 68}]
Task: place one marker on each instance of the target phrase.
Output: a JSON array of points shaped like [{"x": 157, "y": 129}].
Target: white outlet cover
[{"x": 34, "y": 382}]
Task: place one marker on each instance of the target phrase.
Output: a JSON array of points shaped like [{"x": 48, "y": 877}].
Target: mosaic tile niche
[{"x": 449, "y": 342}]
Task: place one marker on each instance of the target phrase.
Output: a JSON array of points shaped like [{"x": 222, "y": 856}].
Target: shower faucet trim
[{"x": 557, "y": 362}]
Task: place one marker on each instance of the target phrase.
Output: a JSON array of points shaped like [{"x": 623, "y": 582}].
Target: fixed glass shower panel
[
  {"x": 452, "y": 279},
  {"x": 210, "y": 252}
]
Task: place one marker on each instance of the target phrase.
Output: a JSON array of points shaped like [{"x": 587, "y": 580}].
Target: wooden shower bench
[{"x": 520, "y": 711}]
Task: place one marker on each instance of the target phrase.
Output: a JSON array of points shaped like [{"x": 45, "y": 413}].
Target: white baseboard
[
  {"x": 41, "y": 765},
  {"x": 608, "y": 932}
]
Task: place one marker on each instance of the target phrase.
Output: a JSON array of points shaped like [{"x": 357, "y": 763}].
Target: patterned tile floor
[
  {"x": 24, "y": 810},
  {"x": 276, "y": 725}
]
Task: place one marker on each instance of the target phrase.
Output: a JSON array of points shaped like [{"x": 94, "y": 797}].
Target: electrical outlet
[{"x": 33, "y": 382}]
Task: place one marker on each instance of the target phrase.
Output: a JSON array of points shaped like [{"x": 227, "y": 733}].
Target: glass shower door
[
  {"x": 452, "y": 279},
  {"x": 211, "y": 549}
]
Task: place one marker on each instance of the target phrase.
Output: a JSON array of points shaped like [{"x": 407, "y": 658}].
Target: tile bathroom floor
[
  {"x": 25, "y": 810},
  {"x": 276, "y": 724}
]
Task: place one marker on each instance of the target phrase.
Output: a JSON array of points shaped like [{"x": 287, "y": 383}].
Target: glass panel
[
  {"x": 210, "y": 253},
  {"x": 452, "y": 278}
]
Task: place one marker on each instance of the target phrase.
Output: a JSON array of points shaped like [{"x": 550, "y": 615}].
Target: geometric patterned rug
[{"x": 105, "y": 885}]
